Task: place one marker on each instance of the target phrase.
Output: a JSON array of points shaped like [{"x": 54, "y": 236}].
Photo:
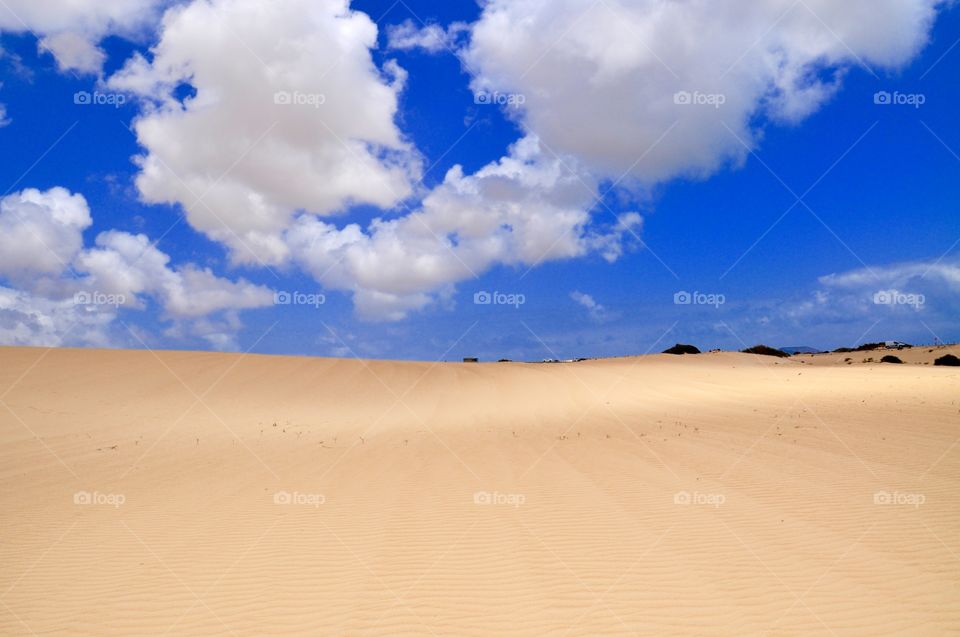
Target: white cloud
[
  {"x": 432, "y": 38},
  {"x": 268, "y": 173},
  {"x": 219, "y": 332},
  {"x": 4, "y": 120},
  {"x": 916, "y": 299},
  {"x": 290, "y": 114},
  {"x": 599, "y": 79},
  {"x": 72, "y": 29},
  {"x": 128, "y": 264},
  {"x": 942, "y": 274},
  {"x": 43, "y": 255},
  {"x": 596, "y": 311},
  {"x": 930, "y": 289},
  {"x": 524, "y": 209},
  {"x": 74, "y": 52},
  {"x": 40, "y": 232},
  {"x": 599, "y": 82},
  {"x": 30, "y": 319}
]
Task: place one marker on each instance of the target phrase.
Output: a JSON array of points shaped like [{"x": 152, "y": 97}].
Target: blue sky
[{"x": 878, "y": 187}]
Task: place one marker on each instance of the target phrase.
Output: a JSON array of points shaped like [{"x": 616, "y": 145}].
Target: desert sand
[{"x": 180, "y": 493}]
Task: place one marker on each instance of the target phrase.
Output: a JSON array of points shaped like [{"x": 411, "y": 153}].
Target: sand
[
  {"x": 920, "y": 355},
  {"x": 178, "y": 493}
]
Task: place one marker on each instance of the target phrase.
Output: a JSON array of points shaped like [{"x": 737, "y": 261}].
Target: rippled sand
[{"x": 178, "y": 493}]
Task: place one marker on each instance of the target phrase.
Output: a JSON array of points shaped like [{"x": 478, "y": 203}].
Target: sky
[{"x": 516, "y": 179}]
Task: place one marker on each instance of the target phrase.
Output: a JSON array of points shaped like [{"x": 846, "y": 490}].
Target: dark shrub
[
  {"x": 889, "y": 358},
  {"x": 765, "y": 351},
  {"x": 869, "y": 347},
  {"x": 680, "y": 348},
  {"x": 948, "y": 360},
  {"x": 843, "y": 350}
]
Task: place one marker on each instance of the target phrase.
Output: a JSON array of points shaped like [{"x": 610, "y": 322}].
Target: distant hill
[{"x": 802, "y": 349}]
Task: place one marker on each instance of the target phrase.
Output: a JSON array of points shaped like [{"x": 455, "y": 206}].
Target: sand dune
[
  {"x": 920, "y": 355},
  {"x": 178, "y": 493}
]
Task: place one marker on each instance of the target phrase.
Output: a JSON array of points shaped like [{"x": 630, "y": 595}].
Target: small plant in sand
[
  {"x": 681, "y": 348},
  {"x": 890, "y": 358},
  {"x": 765, "y": 350},
  {"x": 947, "y": 360}
]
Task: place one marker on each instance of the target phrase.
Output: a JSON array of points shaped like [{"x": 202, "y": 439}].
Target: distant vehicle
[
  {"x": 896, "y": 344},
  {"x": 550, "y": 360}
]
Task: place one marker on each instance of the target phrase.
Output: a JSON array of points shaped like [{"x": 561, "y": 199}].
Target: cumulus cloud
[
  {"x": 290, "y": 113},
  {"x": 71, "y": 30},
  {"x": 605, "y": 81},
  {"x": 261, "y": 177},
  {"x": 34, "y": 320},
  {"x": 524, "y": 209},
  {"x": 262, "y": 154},
  {"x": 40, "y": 232},
  {"x": 68, "y": 293},
  {"x": 127, "y": 264}
]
